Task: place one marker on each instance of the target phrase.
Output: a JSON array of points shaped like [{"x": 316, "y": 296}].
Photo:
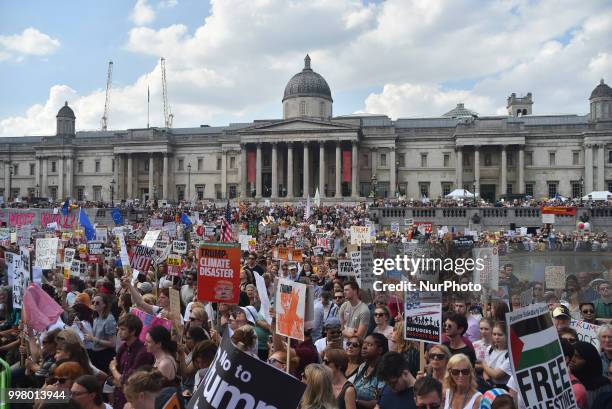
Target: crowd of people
[{"x": 354, "y": 354}]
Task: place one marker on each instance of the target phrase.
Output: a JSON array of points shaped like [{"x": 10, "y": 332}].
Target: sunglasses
[
  {"x": 457, "y": 372},
  {"x": 353, "y": 344},
  {"x": 437, "y": 357},
  {"x": 379, "y": 314},
  {"x": 273, "y": 361},
  {"x": 429, "y": 406},
  {"x": 338, "y": 297},
  {"x": 588, "y": 311},
  {"x": 192, "y": 319},
  {"x": 571, "y": 340},
  {"x": 60, "y": 380}
]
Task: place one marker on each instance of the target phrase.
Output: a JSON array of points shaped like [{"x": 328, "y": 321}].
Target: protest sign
[
  {"x": 125, "y": 260},
  {"x": 527, "y": 297},
  {"x": 5, "y": 234},
  {"x": 161, "y": 245},
  {"x": 290, "y": 308},
  {"x": 179, "y": 246},
  {"x": 68, "y": 257},
  {"x": 586, "y": 332},
  {"x": 252, "y": 245},
  {"x": 237, "y": 380},
  {"x": 554, "y": 276},
  {"x": 170, "y": 229},
  {"x": 46, "y": 252},
  {"x": 95, "y": 248},
  {"x": 108, "y": 253},
  {"x": 141, "y": 258},
  {"x": 548, "y": 219},
  {"x": 356, "y": 262},
  {"x": 150, "y": 238},
  {"x": 488, "y": 276},
  {"x": 423, "y": 316},
  {"x": 367, "y": 268},
  {"x": 174, "y": 262},
  {"x": 175, "y": 301},
  {"x": 317, "y": 251},
  {"x": 296, "y": 255},
  {"x": 244, "y": 239},
  {"x": 156, "y": 224},
  {"x": 361, "y": 234},
  {"x": 263, "y": 297},
  {"x": 345, "y": 268},
  {"x": 102, "y": 234},
  {"x": 24, "y": 235},
  {"x": 424, "y": 227},
  {"x": 75, "y": 268},
  {"x": 209, "y": 230},
  {"x": 395, "y": 227},
  {"x": 537, "y": 360},
  {"x": 16, "y": 278},
  {"x": 149, "y": 321},
  {"x": 219, "y": 272}
]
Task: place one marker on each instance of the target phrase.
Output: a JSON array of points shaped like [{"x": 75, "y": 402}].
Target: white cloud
[
  {"x": 29, "y": 42},
  {"x": 143, "y": 13},
  {"x": 423, "y": 57},
  {"x": 168, "y": 3}
]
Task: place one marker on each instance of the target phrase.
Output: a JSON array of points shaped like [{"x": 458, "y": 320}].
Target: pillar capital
[
  {"x": 504, "y": 147},
  {"x": 477, "y": 147}
]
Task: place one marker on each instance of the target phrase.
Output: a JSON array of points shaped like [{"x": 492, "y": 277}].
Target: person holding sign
[{"x": 496, "y": 365}]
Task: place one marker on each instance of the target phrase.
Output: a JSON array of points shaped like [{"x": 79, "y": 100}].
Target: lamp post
[
  {"x": 189, "y": 183},
  {"x": 581, "y": 189},
  {"x": 112, "y": 191},
  {"x": 154, "y": 193},
  {"x": 373, "y": 180},
  {"x": 474, "y": 193},
  {"x": 397, "y": 190},
  {"x": 37, "y": 190},
  {"x": 10, "y": 185}
]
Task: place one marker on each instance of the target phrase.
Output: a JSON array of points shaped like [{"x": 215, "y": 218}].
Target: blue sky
[{"x": 228, "y": 61}]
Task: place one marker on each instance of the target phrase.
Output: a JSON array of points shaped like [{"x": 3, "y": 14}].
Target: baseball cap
[
  {"x": 561, "y": 312},
  {"x": 332, "y": 322},
  {"x": 145, "y": 287},
  {"x": 251, "y": 314}
]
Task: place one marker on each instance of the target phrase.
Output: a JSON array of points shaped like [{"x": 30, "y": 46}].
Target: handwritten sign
[
  {"x": 46, "y": 252},
  {"x": 179, "y": 246},
  {"x": 361, "y": 234},
  {"x": 554, "y": 276}
]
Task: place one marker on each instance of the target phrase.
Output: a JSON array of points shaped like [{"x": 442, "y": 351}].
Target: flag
[
  {"x": 66, "y": 207},
  {"x": 317, "y": 198},
  {"x": 90, "y": 232},
  {"x": 226, "y": 226},
  {"x": 307, "y": 214},
  {"x": 117, "y": 217},
  {"x": 40, "y": 310},
  {"x": 186, "y": 220}
]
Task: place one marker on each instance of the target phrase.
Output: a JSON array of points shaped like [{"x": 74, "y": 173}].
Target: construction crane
[
  {"x": 109, "y": 83},
  {"x": 167, "y": 112}
]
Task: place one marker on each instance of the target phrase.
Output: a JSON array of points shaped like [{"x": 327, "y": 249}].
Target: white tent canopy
[
  {"x": 460, "y": 194},
  {"x": 598, "y": 195}
]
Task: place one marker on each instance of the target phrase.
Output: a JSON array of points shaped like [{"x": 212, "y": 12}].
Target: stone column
[
  {"x": 243, "y": 171},
  {"x": 165, "y": 178},
  {"x": 588, "y": 169},
  {"x": 130, "y": 177},
  {"x": 338, "y": 170},
  {"x": 258, "y": 185},
  {"x": 289, "y": 170},
  {"x": 476, "y": 169},
  {"x": 69, "y": 176},
  {"x": 374, "y": 164},
  {"x": 116, "y": 177},
  {"x": 322, "y": 169},
  {"x": 504, "y": 169},
  {"x": 7, "y": 180},
  {"x": 151, "y": 175},
  {"x": 392, "y": 174},
  {"x": 223, "y": 174},
  {"x": 601, "y": 167},
  {"x": 306, "y": 171},
  {"x": 274, "y": 194},
  {"x": 60, "y": 178},
  {"x": 354, "y": 171},
  {"x": 521, "y": 170},
  {"x": 44, "y": 188},
  {"x": 459, "y": 168},
  {"x": 36, "y": 176}
]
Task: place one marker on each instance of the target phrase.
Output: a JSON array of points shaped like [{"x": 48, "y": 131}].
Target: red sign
[
  {"x": 200, "y": 231},
  {"x": 427, "y": 227},
  {"x": 96, "y": 260},
  {"x": 219, "y": 273},
  {"x": 251, "y": 166},
  {"x": 559, "y": 210},
  {"x": 346, "y": 166},
  {"x": 141, "y": 258}
]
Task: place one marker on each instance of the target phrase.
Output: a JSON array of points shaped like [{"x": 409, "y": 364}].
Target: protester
[
  {"x": 103, "y": 336},
  {"x": 354, "y": 314},
  {"x": 496, "y": 364},
  {"x": 427, "y": 393},
  {"x": 437, "y": 357},
  {"x": 367, "y": 381},
  {"x": 454, "y": 328},
  {"x": 319, "y": 393},
  {"x": 481, "y": 347},
  {"x": 460, "y": 384},
  {"x": 398, "y": 390},
  {"x": 586, "y": 366},
  {"x": 333, "y": 336},
  {"x": 161, "y": 346},
  {"x": 143, "y": 387},
  {"x": 381, "y": 317},
  {"x": 86, "y": 391},
  {"x": 344, "y": 391},
  {"x": 408, "y": 349},
  {"x": 353, "y": 352}
]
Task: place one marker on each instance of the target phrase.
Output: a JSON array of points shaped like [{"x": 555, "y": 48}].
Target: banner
[
  {"x": 559, "y": 210},
  {"x": 356, "y": 263},
  {"x": 142, "y": 258},
  {"x": 102, "y": 234},
  {"x": 219, "y": 272},
  {"x": 537, "y": 359},
  {"x": 46, "y": 253},
  {"x": 149, "y": 321},
  {"x": 423, "y": 227},
  {"x": 179, "y": 246},
  {"x": 489, "y": 275},
  {"x": 554, "y": 277},
  {"x": 95, "y": 248},
  {"x": 548, "y": 218},
  {"x": 290, "y": 308},
  {"x": 367, "y": 268},
  {"x": 150, "y": 238},
  {"x": 16, "y": 278},
  {"x": 174, "y": 263},
  {"x": 251, "y": 166},
  {"x": 345, "y": 268},
  {"x": 68, "y": 257},
  {"x": 346, "y": 166},
  {"x": 586, "y": 332},
  {"x": 423, "y": 316},
  {"x": 360, "y": 234},
  {"x": 237, "y": 380}
]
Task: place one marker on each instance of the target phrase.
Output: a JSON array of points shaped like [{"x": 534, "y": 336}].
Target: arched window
[
  {"x": 302, "y": 108},
  {"x": 524, "y": 112}
]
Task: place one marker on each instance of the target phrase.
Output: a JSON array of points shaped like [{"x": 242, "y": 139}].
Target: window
[
  {"x": 529, "y": 187},
  {"x": 423, "y": 160},
  {"x": 219, "y": 163},
  {"x": 181, "y": 164},
  {"x": 80, "y": 193},
  {"x": 403, "y": 188},
  {"x": 53, "y": 166},
  {"x": 146, "y": 165},
  {"x": 576, "y": 189},
  {"x": 466, "y": 160},
  {"x": 200, "y": 163},
  {"x": 200, "y": 191},
  {"x": 31, "y": 191},
  {"x": 32, "y": 169},
  {"x": 446, "y": 188},
  {"x": 383, "y": 159},
  {"x": 218, "y": 191},
  {"x": 528, "y": 158},
  {"x": 52, "y": 192},
  {"x": 80, "y": 167},
  {"x": 446, "y": 161},
  {"x": 180, "y": 192},
  {"x": 232, "y": 162},
  {"x": 552, "y": 156},
  {"x": 232, "y": 191},
  {"x": 321, "y": 109},
  {"x": 112, "y": 165},
  {"x": 364, "y": 189},
  {"x": 2, "y": 191},
  {"x": 575, "y": 157},
  {"x": 97, "y": 166},
  {"x": 488, "y": 159},
  {"x": 552, "y": 189},
  {"x": 97, "y": 193},
  {"x": 402, "y": 160},
  {"x": 266, "y": 161},
  {"x": 609, "y": 157},
  {"x": 424, "y": 189},
  {"x": 510, "y": 158},
  {"x": 610, "y": 186},
  {"x": 366, "y": 160},
  {"x": 302, "y": 108},
  {"x": 509, "y": 188},
  {"x": 15, "y": 169},
  {"x": 15, "y": 192}
]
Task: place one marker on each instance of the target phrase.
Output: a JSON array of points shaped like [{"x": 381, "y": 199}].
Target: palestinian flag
[{"x": 533, "y": 341}]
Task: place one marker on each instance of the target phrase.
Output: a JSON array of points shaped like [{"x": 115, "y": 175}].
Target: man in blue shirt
[{"x": 398, "y": 392}]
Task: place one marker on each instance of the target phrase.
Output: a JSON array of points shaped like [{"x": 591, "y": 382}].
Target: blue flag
[
  {"x": 90, "y": 232},
  {"x": 186, "y": 220},
  {"x": 117, "y": 217},
  {"x": 65, "y": 209}
]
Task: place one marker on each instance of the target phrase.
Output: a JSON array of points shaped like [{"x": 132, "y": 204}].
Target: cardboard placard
[
  {"x": 219, "y": 272},
  {"x": 290, "y": 308},
  {"x": 46, "y": 252}
]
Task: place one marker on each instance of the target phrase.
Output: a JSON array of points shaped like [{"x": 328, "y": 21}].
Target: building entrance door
[{"x": 487, "y": 192}]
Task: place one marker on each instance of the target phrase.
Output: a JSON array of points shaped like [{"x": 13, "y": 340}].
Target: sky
[{"x": 229, "y": 60}]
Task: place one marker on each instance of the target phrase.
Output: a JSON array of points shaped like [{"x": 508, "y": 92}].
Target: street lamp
[
  {"x": 581, "y": 189},
  {"x": 10, "y": 186},
  {"x": 37, "y": 190},
  {"x": 112, "y": 191},
  {"x": 474, "y": 193},
  {"x": 154, "y": 193},
  {"x": 397, "y": 190},
  {"x": 189, "y": 183},
  {"x": 373, "y": 180}
]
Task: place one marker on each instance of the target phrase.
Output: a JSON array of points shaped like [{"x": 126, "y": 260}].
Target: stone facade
[{"x": 345, "y": 157}]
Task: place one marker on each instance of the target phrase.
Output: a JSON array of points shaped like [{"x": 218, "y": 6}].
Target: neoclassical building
[{"x": 344, "y": 157}]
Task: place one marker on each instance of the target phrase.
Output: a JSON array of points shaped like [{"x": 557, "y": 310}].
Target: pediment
[{"x": 293, "y": 125}]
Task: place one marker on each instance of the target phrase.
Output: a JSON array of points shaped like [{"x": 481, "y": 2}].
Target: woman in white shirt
[
  {"x": 481, "y": 347},
  {"x": 381, "y": 318},
  {"x": 496, "y": 366}
]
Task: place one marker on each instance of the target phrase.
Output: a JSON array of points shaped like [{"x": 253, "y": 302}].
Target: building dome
[
  {"x": 460, "y": 111},
  {"x": 602, "y": 90},
  {"x": 66, "y": 112},
  {"x": 307, "y": 83}
]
